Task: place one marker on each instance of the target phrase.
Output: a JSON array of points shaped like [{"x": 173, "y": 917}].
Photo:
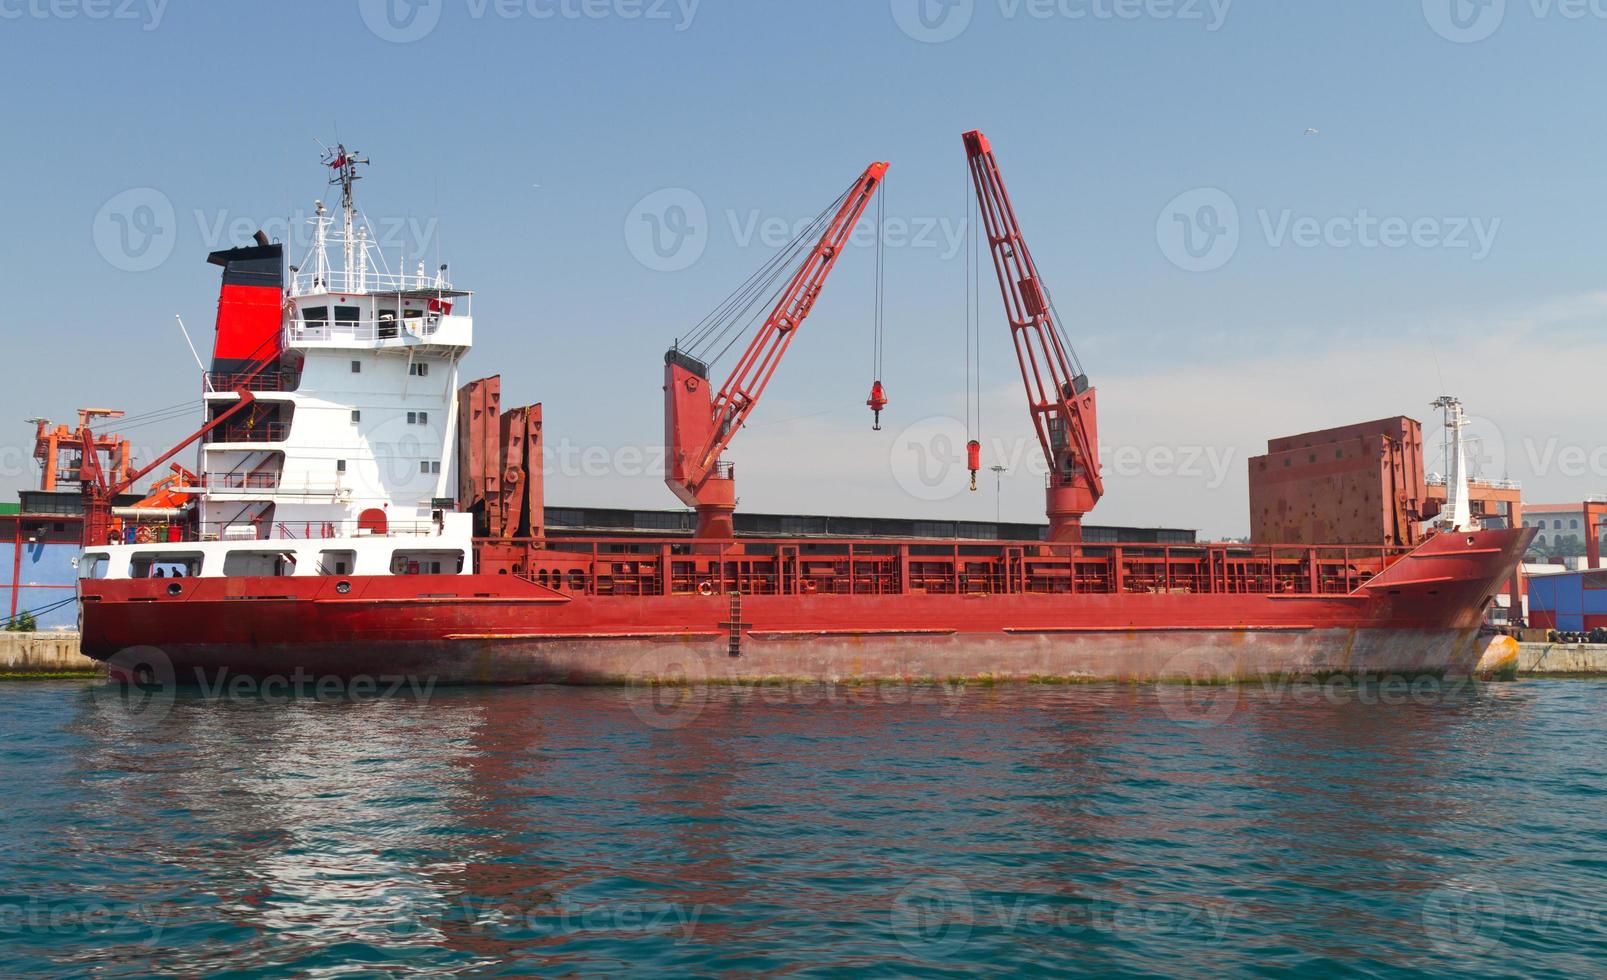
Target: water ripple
[{"x": 932, "y": 831}]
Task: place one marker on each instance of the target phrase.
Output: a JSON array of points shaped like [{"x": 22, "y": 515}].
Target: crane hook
[
  {"x": 877, "y": 401},
  {"x": 973, "y": 460}
]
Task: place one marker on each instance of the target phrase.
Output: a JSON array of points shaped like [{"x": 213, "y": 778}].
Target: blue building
[
  {"x": 38, "y": 571},
  {"x": 1573, "y": 602}
]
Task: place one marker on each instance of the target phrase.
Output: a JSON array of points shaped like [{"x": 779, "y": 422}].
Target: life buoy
[
  {"x": 809, "y": 586},
  {"x": 144, "y": 535},
  {"x": 705, "y": 588}
]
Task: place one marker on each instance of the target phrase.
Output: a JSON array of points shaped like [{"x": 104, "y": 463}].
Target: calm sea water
[{"x": 872, "y": 831}]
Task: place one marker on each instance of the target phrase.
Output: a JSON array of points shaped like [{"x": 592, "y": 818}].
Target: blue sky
[{"x": 1443, "y": 228}]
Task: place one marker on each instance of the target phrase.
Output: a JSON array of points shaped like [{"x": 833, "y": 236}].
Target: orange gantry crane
[
  {"x": 1058, "y": 396},
  {"x": 699, "y": 422}
]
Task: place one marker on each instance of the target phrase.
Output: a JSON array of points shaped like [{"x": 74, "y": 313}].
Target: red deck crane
[
  {"x": 700, "y": 423},
  {"x": 1058, "y": 395},
  {"x": 99, "y": 490}
]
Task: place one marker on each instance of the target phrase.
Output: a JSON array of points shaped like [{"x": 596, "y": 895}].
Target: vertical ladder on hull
[{"x": 735, "y": 626}]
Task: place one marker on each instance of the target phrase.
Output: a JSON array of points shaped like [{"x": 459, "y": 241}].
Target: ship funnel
[
  {"x": 261, "y": 238},
  {"x": 249, "y": 325}
]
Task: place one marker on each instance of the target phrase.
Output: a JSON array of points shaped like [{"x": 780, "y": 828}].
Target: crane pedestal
[
  {"x": 1065, "y": 507},
  {"x": 716, "y": 509}
]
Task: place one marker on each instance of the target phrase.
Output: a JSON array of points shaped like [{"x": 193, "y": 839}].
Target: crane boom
[
  {"x": 699, "y": 423},
  {"x": 1058, "y": 396}
]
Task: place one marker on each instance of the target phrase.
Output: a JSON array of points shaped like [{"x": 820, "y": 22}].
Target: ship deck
[{"x": 636, "y": 566}]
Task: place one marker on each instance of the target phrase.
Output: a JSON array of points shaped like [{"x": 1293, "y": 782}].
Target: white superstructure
[{"x": 344, "y": 462}]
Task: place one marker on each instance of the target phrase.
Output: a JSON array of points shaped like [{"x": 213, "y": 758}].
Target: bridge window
[
  {"x": 259, "y": 564},
  {"x": 336, "y": 562},
  {"x": 165, "y": 565},
  {"x": 347, "y": 316},
  {"x": 411, "y": 562}
]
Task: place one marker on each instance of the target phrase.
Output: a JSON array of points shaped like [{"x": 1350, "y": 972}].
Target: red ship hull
[{"x": 1421, "y": 613}]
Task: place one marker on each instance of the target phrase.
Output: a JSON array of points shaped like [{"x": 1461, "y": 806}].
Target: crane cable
[
  {"x": 878, "y": 394},
  {"x": 973, "y": 334},
  {"x": 718, "y": 332}
]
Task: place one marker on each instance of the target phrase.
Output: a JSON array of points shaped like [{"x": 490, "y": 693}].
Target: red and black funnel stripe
[{"x": 248, "y": 330}]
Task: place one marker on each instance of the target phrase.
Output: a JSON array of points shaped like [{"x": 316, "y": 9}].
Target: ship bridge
[{"x": 356, "y": 416}]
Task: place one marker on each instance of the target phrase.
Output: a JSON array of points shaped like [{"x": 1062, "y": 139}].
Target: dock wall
[{"x": 43, "y": 653}]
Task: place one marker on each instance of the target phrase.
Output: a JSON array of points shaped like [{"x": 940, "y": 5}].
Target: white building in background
[{"x": 1559, "y": 522}]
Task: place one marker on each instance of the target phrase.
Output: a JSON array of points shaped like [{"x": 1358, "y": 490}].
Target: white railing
[
  {"x": 1438, "y": 480},
  {"x": 306, "y": 282},
  {"x": 365, "y": 331}
]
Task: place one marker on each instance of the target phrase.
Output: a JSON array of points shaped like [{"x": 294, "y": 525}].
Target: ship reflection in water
[{"x": 533, "y": 830}]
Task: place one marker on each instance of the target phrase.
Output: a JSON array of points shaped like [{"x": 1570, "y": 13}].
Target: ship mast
[{"x": 1458, "y": 513}]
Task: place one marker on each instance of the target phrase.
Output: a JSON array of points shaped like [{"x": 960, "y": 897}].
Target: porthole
[
  {"x": 343, "y": 587},
  {"x": 174, "y": 588}
]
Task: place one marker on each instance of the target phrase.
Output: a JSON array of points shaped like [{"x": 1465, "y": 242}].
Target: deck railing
[
  {"x": 262, "y": 381},
  {"x": 631, "y": 566}
]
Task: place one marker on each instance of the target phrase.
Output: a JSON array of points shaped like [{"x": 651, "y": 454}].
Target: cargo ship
[{"x": 356, "y": 511}]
